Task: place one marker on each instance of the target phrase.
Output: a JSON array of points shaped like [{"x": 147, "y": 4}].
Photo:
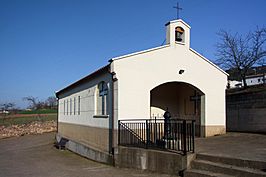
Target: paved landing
[{"x": 244, "y": 146}]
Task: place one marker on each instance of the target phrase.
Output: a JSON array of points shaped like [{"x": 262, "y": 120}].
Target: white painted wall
[
  {"x": 87, "y": 92},
  {"x": 170, "y": 32},
  {"x": 139, "y": 73}
]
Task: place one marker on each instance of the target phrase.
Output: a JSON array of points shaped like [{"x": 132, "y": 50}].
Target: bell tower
[{"x": 178, "y": 33}]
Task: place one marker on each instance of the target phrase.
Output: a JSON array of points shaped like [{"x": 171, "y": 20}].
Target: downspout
[
  {"x": 57, "y": 99},
  {"x": 111, "y": 130}
]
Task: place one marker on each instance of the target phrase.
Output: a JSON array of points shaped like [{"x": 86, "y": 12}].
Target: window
[
  {"x": 78, "y": 105},
  {"x": 70, "y": 106},
  {"x": 67, "y": 107},
  {"x": 64, "y": 107},
  {"x": 74, "y": 105},
  {"x": 101, "y": 95}
]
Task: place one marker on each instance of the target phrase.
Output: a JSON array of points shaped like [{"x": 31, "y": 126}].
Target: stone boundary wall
[{"x": 246, "y": 109}]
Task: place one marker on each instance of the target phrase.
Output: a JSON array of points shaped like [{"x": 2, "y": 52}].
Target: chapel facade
[{"x": 143, "y": 85}]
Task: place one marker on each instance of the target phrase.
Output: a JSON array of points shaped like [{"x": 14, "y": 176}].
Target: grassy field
[
  {"x": 41, "y": 111},
  {"x": 18, "y": 120}
]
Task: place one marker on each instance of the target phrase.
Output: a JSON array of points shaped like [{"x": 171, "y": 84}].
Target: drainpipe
[
  {"x": 111, "y": 122},
  {"x": 57, "y": 99}
]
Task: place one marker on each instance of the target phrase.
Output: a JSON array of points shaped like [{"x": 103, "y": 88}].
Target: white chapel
[{"x": 143, "y": 85}]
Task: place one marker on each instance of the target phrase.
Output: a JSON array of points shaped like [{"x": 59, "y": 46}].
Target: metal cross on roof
[{"x": 177, "y": 10}]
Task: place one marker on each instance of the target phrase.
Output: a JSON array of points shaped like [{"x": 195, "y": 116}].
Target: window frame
[{"x": 102, "y": 93}]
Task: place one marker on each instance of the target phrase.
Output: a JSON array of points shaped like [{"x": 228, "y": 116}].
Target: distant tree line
[
  {"x": 7, "y": 106},
  {"x": 34, "y": 103}
]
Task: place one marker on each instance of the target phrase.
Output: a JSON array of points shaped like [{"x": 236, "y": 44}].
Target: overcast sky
[{"x": 47, "y": 44}]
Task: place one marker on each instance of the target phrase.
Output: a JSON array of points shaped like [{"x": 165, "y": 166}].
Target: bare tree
[
  {"x": 33, "y": 102},
  {"x": 241, "y": 52},
  {"x": 51, "y": 102},
  {"x": 7, "y": 106}
]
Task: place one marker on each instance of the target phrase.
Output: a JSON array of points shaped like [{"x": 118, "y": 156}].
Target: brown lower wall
[
  {"x": 94, "y": 137},
  {"x": 212, "y": 130}
]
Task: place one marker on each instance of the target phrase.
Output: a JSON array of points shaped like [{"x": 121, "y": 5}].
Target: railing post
[
  {"x": 185, "y": 137},
  {"x": 155, "y": 131},
  {"x": 147, "y": 133},
  {"x": 193, "y": 136},
  {"x": 119, "y": 122}
]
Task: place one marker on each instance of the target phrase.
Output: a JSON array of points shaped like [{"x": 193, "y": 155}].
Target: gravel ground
[{"x": 36, "y": 127}]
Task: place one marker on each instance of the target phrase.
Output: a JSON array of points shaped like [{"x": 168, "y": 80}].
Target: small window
[
  {"x": 74, "y": 105},
  {"x": 64, "y": 107},
  {"x": 78, "y": 105},
  {"x": 258, "y": 80},
  {"x": 102, "y": 99},
  {"x": 67, "y": 107},
  {"x": 70, "y": 106}
]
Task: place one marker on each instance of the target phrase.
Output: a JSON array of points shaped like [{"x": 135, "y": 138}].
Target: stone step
[
  {"x": 233, "y": 161},
  {"x": 202, "y": 173},
  {"x": 226, "y": 169}
]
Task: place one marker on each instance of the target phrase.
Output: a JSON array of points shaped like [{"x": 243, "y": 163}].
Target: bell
[{"x": 178, "y": 34}]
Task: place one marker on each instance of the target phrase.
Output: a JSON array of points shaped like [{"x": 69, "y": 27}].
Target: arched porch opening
[{"x": 183, "y": 101}]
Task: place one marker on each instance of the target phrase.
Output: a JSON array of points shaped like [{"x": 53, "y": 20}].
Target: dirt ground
[{"x": 34, "y": 155}]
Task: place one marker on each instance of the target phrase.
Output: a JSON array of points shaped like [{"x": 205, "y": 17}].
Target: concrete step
[
  {"x": 260, "y": 165},
  {"x": 202, "y": 173},
  {"x": 226, "y": 169}
]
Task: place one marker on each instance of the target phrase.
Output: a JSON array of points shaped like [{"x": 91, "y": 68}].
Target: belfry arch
[{"x": 183, "y": 101}]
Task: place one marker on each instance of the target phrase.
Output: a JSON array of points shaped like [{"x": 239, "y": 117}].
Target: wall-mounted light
[
  {"x": 181, "y": 71},
  {"x": 114, "y": 76}
]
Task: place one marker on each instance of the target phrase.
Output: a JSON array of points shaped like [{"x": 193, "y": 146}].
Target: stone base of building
[
  {"x": 95, "y": 137},
  {"x": 87, "y": 152},
  {"x": 212, "y": 130}
]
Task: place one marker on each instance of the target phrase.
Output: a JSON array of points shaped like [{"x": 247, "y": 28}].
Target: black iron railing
[{"x": 175, "y": 135}]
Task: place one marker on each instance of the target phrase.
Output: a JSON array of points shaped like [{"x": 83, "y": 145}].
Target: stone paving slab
[
  {"x": 246, "y": 146},
  {"x": 34, "y": 155}
]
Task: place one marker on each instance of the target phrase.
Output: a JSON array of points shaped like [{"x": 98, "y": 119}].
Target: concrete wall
[
  {"x": 152, "y": 160},
  {"x": 246, "y": 110},
  {"x": 88, "y": 152}
]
